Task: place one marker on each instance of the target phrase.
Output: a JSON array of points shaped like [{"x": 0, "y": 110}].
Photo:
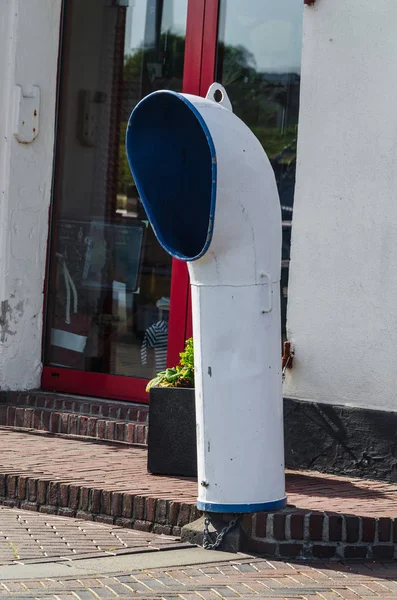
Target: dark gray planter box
[{"x": 172, "y": 432}]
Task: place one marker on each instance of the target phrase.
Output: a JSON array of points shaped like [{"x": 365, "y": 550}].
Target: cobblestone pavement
[
  {"x": 27, "y": 537},
  {"x": 123, "y": 469},
  {"x": 240, "y": 578}
]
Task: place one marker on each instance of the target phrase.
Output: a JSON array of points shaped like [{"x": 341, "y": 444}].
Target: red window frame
[{"x": 199, "y": 69}]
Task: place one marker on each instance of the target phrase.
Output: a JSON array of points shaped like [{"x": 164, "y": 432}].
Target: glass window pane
[
  {"x": 109, "y": 290},
  {"x": 258, "y": 62}
]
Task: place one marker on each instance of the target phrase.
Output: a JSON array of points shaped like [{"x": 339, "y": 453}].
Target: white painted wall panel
[
  {"x": 29, "y": 41},
  {"x": 342, "y": 314}
]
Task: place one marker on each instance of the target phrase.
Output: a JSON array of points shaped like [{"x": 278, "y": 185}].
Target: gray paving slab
[{"x": 115, "y": 564}]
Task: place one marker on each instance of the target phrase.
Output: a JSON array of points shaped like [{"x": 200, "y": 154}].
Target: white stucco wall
[
  {"x": 342, "y": 315},
  {"x": 29, "y": 40}
]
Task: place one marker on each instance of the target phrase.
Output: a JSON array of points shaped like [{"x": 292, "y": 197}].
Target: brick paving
[
  {"x": 123, "y": 469},
  {"x": 247, "y": 578},
  {"x": 27, "y": 537},
  {"x": 243, "y": 578},
  {"x": 94, "y": 465},
  {"x": 27, "y": 461},
  {"x": 328, "y": 516}
]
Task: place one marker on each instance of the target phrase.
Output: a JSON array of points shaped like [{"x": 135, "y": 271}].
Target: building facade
[
  {"x": 91, "y": 304},
  {"x": 99, "y": 304}
]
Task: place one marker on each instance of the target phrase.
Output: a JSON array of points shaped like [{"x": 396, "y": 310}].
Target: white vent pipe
[{"x": 211, "y": 196}]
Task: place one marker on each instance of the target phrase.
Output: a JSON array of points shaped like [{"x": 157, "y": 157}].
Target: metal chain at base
[{"x": 207, "y": 542}]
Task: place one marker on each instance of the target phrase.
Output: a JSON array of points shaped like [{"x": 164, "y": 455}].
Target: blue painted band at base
[{"x": 242, "y": 508}]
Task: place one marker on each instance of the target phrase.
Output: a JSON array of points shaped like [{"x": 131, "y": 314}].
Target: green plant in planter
[{"x": 180, "y": 376}]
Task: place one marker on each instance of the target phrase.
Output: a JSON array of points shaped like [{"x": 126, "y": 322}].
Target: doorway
[
  {"x": 118, "y": 307},
  {"x": 109, "y": 286}
]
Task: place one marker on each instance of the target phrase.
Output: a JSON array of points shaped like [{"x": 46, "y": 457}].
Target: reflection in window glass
[
  {"x": 258, "y": 62},
  {"x": 109, "y": 290}
]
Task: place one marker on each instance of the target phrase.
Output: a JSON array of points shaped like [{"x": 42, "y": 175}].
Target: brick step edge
[
  {"x": 314, "y": 535},
  {"x": 295, "y": 534},
  {"x": 85, "y": 405},
  {"x": 91, "y": 504},
  {"x": 68, "y": 423}
]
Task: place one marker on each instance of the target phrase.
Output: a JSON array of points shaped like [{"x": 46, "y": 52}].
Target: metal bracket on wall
[
  {"x": 288, "y": 356},
  {"x": 27, "y": 111}
]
